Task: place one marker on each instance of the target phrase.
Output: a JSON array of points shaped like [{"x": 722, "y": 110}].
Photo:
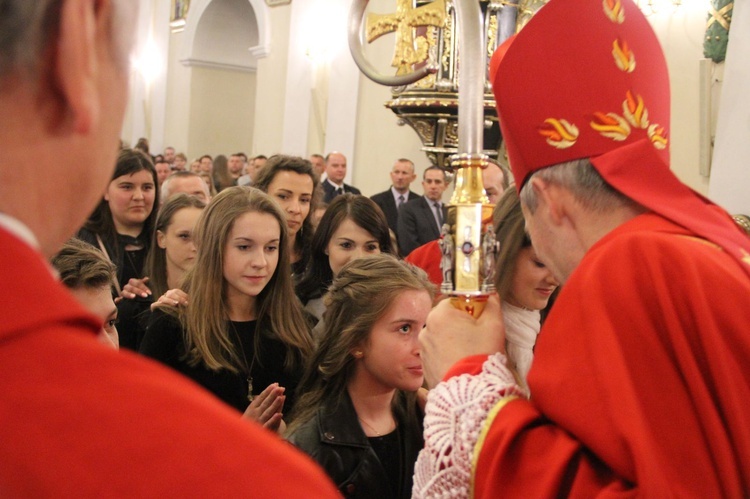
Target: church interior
[{"x": 277, "y": 76}]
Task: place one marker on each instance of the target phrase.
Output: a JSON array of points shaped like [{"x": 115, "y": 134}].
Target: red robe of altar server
[
  {"x": 640, "y": 381},
  {"x": 81, "y": 420}
]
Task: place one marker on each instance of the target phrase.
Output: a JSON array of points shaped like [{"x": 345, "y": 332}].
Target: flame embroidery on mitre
[
  {"x": 634, "y": 110},
  {"x": 658, "y": 136},
  {"x": 614, "y": 11},
  {"x": 624, "y": 57},
  {"x": 611, "y": 125},
  {"x": 559, "y": 133}
]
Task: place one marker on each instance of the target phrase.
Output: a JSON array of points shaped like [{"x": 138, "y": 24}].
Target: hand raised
[
  {"x": 266, "y": 408},
  {"x": 173, "y": 298},
  {"x": 451, "y": 335},
  {"x": 136, "y": 287}
]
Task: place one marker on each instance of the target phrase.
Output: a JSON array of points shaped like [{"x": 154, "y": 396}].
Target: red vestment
[
  {"x": 79, "y": 419},
  {"x": 641, "y": 378},
  {"x": 427, "y": 257}
]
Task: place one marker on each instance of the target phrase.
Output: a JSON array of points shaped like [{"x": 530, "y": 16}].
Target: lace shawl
[{"x": 454, "y": 418}]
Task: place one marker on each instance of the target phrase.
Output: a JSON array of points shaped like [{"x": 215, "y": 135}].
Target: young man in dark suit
[
  {"x": 334, "y": 184},
  {"x": 420, "y": 220},
  {"x": 402, "y": 175}
]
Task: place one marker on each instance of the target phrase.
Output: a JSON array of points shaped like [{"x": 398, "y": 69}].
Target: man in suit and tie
[
  {"x": 335, "y": 172},
  {"x": 420, "y": 220},
  {"x": 402, "y": 175}
]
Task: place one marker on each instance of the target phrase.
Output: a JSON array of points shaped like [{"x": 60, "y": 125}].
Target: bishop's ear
[
  {"x": 75, "y": 73},
  {"x": 550, "y": 199}
]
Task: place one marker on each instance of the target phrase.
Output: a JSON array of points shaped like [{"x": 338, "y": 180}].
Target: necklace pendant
[{"x": 250, "y": 395}]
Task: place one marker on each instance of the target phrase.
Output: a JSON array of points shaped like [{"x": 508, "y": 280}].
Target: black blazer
[
  {"x": 416, "y": 225},
  {"x": 388, "y": 205},
  {"x": 330, "y": 190}
]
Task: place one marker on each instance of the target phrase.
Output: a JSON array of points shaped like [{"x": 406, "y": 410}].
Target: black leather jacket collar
[{"x": 336, "y": 441}]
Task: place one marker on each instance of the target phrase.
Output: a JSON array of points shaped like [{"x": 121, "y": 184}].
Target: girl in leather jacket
[{"x": 357, "y": 413}]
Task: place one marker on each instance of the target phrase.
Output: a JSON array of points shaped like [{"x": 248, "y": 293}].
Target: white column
[
  {"x": 299, "y": 77},
  {"x": 343, "y": 90},
  {"x": 320, "y": 74},
  {"x": 147, "y": 105}
]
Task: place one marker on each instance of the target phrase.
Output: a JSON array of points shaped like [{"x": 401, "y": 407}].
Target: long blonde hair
[{"x": 204, "y": 320}]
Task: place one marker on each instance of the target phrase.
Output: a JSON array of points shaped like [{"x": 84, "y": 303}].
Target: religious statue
[
  {"x": 489, "y": 252},
  {"x": 446, "y": 262},
  {"x": 178, "y": 15}
]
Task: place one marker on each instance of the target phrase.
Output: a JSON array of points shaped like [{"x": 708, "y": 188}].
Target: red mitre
[{"x": 588, "y": 79}]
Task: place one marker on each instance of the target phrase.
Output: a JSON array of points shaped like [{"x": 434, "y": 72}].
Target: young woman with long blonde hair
[{"x": 242, "y": 333}]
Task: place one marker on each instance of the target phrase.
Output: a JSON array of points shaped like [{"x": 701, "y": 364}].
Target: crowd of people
[{"x": 268, "y": 316}]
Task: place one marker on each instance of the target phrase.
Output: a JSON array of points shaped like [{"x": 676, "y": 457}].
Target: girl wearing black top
[
  {"x": 357, "y": 414},
  {"x": 122, "y": 224},
  {"x": 240, "y": 336},
  {"x": 352, "y": 226}
]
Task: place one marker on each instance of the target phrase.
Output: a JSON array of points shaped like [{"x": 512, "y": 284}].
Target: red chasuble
[
  {"x": 641, "y": 379},
  {"x": 81, "y": 420}
]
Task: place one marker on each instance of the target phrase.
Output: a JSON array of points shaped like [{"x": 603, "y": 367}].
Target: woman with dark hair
[
  {"x": 290, "y": 180},
  {"x": 357, "y": 414},
  {"x": 240, "y": 336},
  {"x": 122, "y": 224},
  {"x": 353, "y": 226}
]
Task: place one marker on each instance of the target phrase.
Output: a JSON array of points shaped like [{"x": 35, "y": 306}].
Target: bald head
[
  {"x": 336, "y": 167},
  {"x": 185, "y": 182}
]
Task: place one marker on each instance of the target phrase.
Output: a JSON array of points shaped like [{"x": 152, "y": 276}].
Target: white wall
[
  {"x": 680, "y": 31},
  {"x": 730, "y": 178},
  {"x": 270, "y": 86},
  {"x": 177, "y": 119},
  {"x": 222, "y": 107}
]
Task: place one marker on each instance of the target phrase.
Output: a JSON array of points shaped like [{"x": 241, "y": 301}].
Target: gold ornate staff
[{"x": 468, "y": 245}]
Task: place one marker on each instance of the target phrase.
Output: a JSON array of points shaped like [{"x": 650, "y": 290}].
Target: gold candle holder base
[
  {"x": 468, "y": 239},
  {"x": 471, "y": 304}
]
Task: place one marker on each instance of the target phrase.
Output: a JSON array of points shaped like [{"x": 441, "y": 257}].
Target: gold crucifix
[{"x": 408, "y": 51}]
